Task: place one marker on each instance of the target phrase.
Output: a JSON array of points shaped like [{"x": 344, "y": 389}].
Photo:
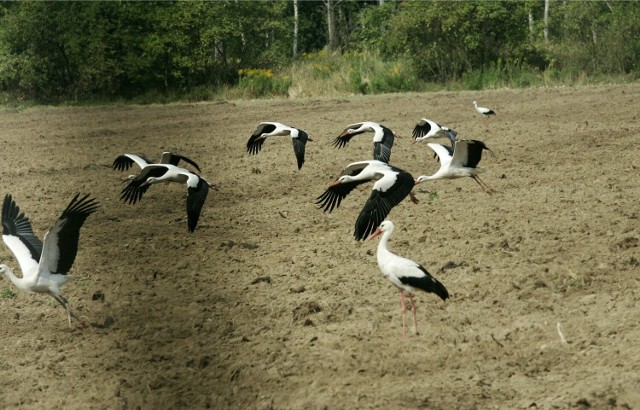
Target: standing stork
[
  {"x": 382, "y": 138},
  {"x": 405, "y": 274},
  {"x": 272, "y": 129},
  {"x": 462, "y": 163},
  {"x": 391, "y": 186},
  {"x": 45, "y": 265},
  {"x": 485, "y": 112},
  {"x": 430, "y": 129}
]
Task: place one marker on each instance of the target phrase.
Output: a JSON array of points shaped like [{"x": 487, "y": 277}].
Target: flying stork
[
  {"x": 462, "y": 163},
  {"x": 382, "y": 138},
  {"x": 272, "y": 129},
  {"x": 197, "y": 186},
  {"x": 391, "y": 186}
]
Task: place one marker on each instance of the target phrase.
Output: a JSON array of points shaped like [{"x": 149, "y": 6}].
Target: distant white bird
[
  {"x": 197, "y": 186},
  {"x": 485, "y": 112},
  {"x": 405, "y": 274},
  {"x": 463, "y": 162},
  {"x": 382, "y": 138},
  {"x": 391, "y": 186},
  {"x": 45, "y": 266},
  {"x": 430, "y": 129},
  {"x": 272, "y": 129}
]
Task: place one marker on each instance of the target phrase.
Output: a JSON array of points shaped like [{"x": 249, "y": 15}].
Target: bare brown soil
[{"x": 272, "y": 304}]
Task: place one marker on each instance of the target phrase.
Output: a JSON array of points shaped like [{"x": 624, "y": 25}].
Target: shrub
[{"x": 257, "y": 82}]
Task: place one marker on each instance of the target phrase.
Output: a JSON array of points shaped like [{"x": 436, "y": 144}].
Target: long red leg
[
  {"x": 413, "y": 309},
  {"x": 404, "y": 309},
  {"x": 484, "y": 186}
]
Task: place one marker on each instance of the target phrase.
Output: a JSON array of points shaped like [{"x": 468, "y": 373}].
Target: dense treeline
[{"x": 52, "y": 51}]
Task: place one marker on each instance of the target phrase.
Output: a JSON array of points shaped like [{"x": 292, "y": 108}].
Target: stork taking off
[
  {"x": 45, "y": 265},
  {"x": 405, "y": 274}
]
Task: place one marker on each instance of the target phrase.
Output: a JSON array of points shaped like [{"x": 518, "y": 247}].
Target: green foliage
[
  {"x": 7, "y": 293},
  {"x": 163, "y": 51}
]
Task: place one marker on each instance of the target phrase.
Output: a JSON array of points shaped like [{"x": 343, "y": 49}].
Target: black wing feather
[
  {"x": 380, "y": 204},
  {"x": 123, "y": 162},
  {"x": 195, "y": 201},
  {"x": 427, "y": 283},
  {"x": 299, "y": 144},
  {"x": 333, "y": 196},
  {"x": 421, "y": 129},
  {"x": 15, "y": 223},
  {"x": 342, "y": 140},
  {"x": 174, "y": 159},
  {"x": 133, "y": 192},
  {"x": 253, "y": 145},
  {"x": 382, "y": 149},
  {"x": 474, "y": 152},
  {"x": 70, "y": 223}
]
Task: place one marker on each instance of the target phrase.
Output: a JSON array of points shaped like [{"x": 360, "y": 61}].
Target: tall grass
[
  {"x": 335, "y": 74},
  {"x": 330, "y": 74}
]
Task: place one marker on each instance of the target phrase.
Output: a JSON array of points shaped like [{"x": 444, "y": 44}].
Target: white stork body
[
  {"x": 45, "y": 265},
  {"x": 463, "y": 163},
  {"x": 430, "y": 129},
  {"x": 272, "y": 129},
  {"x": 382, "y": 138},
  {"x": 197, "y": 187},
  {"x": 391, "y": 186},
  {"x": 485, "y": 112},
  {"x": 406, "y": 275}
]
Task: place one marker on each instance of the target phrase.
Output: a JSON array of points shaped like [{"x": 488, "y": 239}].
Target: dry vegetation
[{"x": 272, "y": 304}]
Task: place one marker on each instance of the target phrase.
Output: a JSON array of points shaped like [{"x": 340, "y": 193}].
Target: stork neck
[
  {"x": 9, "y": 273},
  {"x": 383, "y": 245}
]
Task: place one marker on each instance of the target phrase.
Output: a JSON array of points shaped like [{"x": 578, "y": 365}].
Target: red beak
[
  {"x": 376, "y": 233},
  {"x": 337, "y": 182}
]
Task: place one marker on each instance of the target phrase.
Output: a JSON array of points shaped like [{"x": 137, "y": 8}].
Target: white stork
[
  {"x": 272, "y": 129},
  {"x": 391, "y": 186},
  {"x": 125, "y": 161},
  {"x": 430, "y": 129},
  {"x": 45, "y": 265},
  {"x": 463, "y": 162},
  {"x": 382, "y": 138},
  {"x": 405, "y": 274},
  {"x": 197, "y": 186},
  {"x": 485, "y": 112}
]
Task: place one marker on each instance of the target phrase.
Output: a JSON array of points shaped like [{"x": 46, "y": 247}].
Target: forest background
[{"x": 154, "y": 52}]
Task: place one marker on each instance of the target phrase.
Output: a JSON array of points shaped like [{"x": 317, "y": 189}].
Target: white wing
[{"x": 443, "y": 154}]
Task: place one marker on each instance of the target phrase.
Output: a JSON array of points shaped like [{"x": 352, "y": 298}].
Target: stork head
[
  {"x": 149, "y": 181},
  {"x": 421, "y": 179},
  {"x": 386, "y": 226},
  {"x": 342, "y": 180},
  {"x": 6, "y": 271}
]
